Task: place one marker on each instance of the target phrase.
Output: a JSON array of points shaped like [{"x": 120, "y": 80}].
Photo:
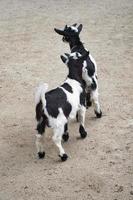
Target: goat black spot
[
  {"x": 88, "y": 100},
  {"x": 66, "y": 134},
  {"x": 67, "y": 87},
  {"x": 39, "y": 111},
  {"x": 83, "y": 98},
  {"x": 93, "y": 85},
  {"x": 56, "y": 99},
  {"x": 90, "y": 67},
  {"x": 67, "y": 109},
  {"x": 42, "y": 124},
  {"x": 65, "y": 128}
]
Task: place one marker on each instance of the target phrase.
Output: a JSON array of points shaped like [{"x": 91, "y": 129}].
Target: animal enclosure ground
[{"x": 99, "y": 167}]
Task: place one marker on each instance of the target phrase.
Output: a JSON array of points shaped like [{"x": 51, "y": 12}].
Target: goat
[
  {"x": 71, "y": 35},
  {"x": 56, "y": 107}
]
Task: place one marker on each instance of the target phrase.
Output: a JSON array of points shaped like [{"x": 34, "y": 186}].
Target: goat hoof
[
  {"x": 41, "y": 155},
  {"x": 63, "y": 157},
  {"x": 82, "y": 131},
  {"x": 98, "y": 114},
  {"x": 65, "y": 137},
  {"x": 83, "y": 135}
]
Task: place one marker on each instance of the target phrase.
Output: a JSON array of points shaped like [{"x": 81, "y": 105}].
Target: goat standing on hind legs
[
  {"x": 56, "y": 107},
  {"x": 71, "y": 35}
]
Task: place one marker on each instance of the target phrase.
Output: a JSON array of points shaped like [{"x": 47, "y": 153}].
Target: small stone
[
  {"x": 118, "y": 188},
  {"x": 15, "y": 125},
  {"x": 26, "y": 187},
  {"x": 131, "y": 192}
]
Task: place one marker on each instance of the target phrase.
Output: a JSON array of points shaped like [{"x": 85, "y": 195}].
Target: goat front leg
[
  {"x": 58, "y": 132},
  {"x": 81, "y": 115}
]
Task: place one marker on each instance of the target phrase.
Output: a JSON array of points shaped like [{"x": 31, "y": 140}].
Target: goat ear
[
  {"x": 60, "y": 32},
  {"x": 84, "y": 56},
  {"x": 63, "y": 58},
  {"x": 65, "y": 27},
  {"x": 80, "y": 28},
  {"x": 74, "y": 24}
]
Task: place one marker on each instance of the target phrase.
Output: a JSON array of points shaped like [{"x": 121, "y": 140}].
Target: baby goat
[
  {"x": 71, "y": 35},
  {"x": 55, "y": 107}
]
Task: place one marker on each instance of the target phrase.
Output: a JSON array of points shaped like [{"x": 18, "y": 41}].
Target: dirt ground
[{"x": 99, "y": 167}]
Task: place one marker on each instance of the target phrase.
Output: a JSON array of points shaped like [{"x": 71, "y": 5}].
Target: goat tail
[{"x": 40, "y": 99}]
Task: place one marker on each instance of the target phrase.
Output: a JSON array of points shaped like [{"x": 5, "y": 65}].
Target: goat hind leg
[
  {"x": 58, "y": 132},
  {"x": 39, "y": 138},
  {"x": 66, "y": 134},
  {"x": 95, "y": 100},
  {"x": 81, "y": 113}
]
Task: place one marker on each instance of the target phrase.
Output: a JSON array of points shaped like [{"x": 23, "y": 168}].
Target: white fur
[
  {"x": 56, "y": 122},
  {"x": 73, "y": 98},
  {"x": 57, "y": 137},
  {"x": 85, "y": 76},
  {"x": 39, "y": 143},
  {"x": 88, "y": 80},
  {"x": 81, "y": 115},
  {"x": 40, "y": 91},
  {"x": 74, "y": 29},
  {"x": 94, "y": 98},
  {"x": 75, "y": 55}
]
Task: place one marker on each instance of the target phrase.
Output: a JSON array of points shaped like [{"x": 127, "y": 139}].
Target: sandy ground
[{"x": 99, "y": 167}]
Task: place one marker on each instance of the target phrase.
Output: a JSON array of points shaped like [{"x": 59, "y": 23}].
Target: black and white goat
[
  {"x": 71, "y": 35},
  {"x": 56, "y": 107}
]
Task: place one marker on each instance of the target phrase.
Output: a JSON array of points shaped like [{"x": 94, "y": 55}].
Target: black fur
[
  {"x": 90, "y": 66},
  {"x": 75, "y": 68},
  {"x": 65, "y": 137},
  {"x": 93, "y": 85},
  {"x": 65, "y": 128},
  {"x": 88, "y": 100},
  {"x": 41, "y": 154},
  {"x": 66, "y": 134},
  {"x": 67, "y": 87},
  {"x": 41, "y": 127},
  {"x": 56, "y": 99},
  {"x": 64, "y": 157},
  {"x": 42, "y": 124},
  {"x": 39, "y": 111},
  {"x": 83, "y": 98},
  {"x": 98, "y": 115},
  {"x": 67, "y": 109},
  {"x": 77, "y": 117},
  {"x": 82, "y": 131}
]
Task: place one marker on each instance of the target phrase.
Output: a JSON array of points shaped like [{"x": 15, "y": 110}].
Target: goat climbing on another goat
[{"x": 56, "y": 107}]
